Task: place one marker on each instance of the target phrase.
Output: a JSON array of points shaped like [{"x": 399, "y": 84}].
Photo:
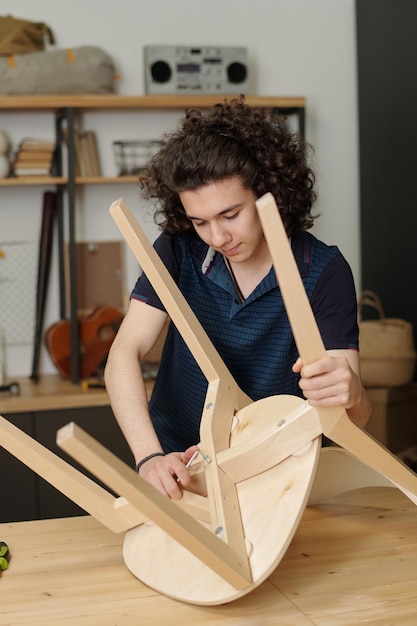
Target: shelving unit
[{"x": 66, "y": 108}]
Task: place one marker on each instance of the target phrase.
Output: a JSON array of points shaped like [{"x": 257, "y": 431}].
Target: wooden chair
[{"x": 260, "y": 463}]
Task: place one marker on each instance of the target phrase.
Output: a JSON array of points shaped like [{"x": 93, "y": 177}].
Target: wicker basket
[
  {"x": 388, "y": 372},
  {"x": 387, "y": 354},
  {"x": 132, "y": 156}
]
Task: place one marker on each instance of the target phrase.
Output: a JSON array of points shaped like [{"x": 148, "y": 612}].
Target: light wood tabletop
[
  {"x": 53, "y": 393},
  {"x": 352, "y": 561}
]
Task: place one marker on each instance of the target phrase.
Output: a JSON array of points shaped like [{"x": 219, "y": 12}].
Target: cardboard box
[{"x": 394, "y": 418}]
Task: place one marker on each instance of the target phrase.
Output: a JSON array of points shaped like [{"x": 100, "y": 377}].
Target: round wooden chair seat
[{"x": 271, "y": 505}]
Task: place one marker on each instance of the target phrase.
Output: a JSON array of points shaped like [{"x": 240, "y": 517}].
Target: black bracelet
[{"x": 147, "y": 458}]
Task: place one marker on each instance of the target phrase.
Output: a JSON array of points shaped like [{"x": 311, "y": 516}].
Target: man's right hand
[{"x": 169, "y": 474}]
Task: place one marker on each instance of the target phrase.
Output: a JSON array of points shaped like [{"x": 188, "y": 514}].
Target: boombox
[{"x": 197, "y": 70}]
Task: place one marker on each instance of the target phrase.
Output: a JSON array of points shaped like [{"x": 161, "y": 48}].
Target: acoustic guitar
[{"x": 96, "y": 334}]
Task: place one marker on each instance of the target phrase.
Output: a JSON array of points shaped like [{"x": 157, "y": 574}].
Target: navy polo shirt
[{"x": 253, "y": 337}]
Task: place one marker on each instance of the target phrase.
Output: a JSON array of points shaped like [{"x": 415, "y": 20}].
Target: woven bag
[{"x": 387, "y": 355}]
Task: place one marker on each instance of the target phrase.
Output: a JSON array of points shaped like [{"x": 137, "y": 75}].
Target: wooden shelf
[
  {"x": 105, "y": 180},
  {"x": 20, "y": 181},
  {"x": 62, "y": 180},
  {"x": 106, "y": 101}
]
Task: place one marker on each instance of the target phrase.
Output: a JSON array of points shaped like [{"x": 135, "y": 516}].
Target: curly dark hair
[{"x": 231, "y": 139}]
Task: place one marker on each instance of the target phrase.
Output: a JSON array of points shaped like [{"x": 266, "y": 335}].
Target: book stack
[
  {"x": 34, "y": 157},
  {"x": 87, "y": 163}
]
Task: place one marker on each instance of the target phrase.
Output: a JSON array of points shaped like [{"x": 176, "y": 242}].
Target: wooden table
[
  {"x": 40, "y": 410},
  {"x": 53, "y": 393},
  {"x": 352, "y": 561}
]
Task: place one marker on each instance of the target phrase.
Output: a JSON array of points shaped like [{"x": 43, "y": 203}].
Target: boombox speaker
[{"x": 198, "y": 70}]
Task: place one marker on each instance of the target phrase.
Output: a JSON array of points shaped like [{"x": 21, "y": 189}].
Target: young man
[{"x": 205, "y": 181}]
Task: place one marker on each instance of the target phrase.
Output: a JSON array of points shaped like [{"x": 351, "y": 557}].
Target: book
[
  {"x": 18, "y": 165},
  {"x": 93, "y": 156},
  {"x": 86, "y": 154},
  {"x": 87, "y": 162},
  {"x": 37, "y": 163},
  {"x": 80, "y": 155},
  {"x": 32, "y": 155},
  {"x": 26, "y": 165},
  {"x": 33, "y": 144},
  {"x": 34, "y": 171}
]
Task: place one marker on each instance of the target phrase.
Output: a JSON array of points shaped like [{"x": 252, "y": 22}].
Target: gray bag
[{"x": 87, "y": 70}]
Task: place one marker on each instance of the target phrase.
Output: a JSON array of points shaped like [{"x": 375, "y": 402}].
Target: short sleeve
[
  {"x": 170, "y": 253},
  {"x": 334, "y": 305}
]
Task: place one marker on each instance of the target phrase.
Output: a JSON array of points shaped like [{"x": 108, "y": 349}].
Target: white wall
[{"x": 297, "y": 47}]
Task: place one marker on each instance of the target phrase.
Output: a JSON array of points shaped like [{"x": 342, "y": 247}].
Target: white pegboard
[{"x": 18, "y": 276}]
